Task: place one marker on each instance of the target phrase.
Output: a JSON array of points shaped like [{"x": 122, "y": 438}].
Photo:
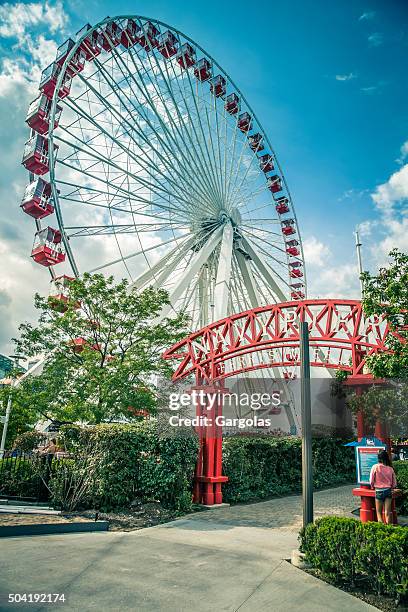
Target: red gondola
[
  {"x": 78, "y": 345},
  {"x": 59, "y": 293},
  {"x": 232, "y": 104},
  {"x": 282, "y": 205},
  {"x": 186, "y": 56},
  {"x": 38, "y": 114},
  {"x": 36, "y": 155},
  {"x": 77, "y": 62},
  {"x": 92, "y": 44},
  {"x": 167, "y": 44},
  {"x": 37, "y": 200},
  {"x": 63, "y": 50},
  {"x": 266, "y": 163},
  {"x": 202, "y": 70},
  {"x": 274, "y": 183},
  {"x": 244, "y": 122},
  {"x": 148, "y": 36},
  {"x": 49, "y": 79},
  {"x": 47, "y": 248},
  {"x": 130, "y": 34},
  {"x": 111, "y": 36},
  {"x": 292, "y": 248},
  {"x": 218, "y": 86},
  {"x": 297, "y": 291},
  {"x": 288, "y": 227},
  {"x": 296, "y": 271},
  {"x": 256, "y": 142}
]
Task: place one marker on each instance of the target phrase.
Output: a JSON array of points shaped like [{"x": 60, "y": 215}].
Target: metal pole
[
  {"x": 307, "y": 470},
  {"x": 6, "y": 422},
  {"x": 360, "y": 265}
]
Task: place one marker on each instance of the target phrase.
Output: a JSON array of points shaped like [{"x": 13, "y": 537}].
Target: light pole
[
  {"x": 306, "y": 410},
  {"x": 8, "y": 408},
  {"x": 359, "y": 262}
]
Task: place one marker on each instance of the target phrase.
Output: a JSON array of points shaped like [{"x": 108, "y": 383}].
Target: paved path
[{"x": 227, "y": 559}]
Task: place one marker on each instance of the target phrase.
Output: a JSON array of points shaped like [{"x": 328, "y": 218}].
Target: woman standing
[{"x": 382, "y": 479}]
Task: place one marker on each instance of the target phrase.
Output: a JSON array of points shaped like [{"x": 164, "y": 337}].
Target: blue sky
[{"x": 328, "y": 82}]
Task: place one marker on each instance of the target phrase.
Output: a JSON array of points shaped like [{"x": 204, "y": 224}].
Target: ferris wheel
[{"x": 146, "y": 160}]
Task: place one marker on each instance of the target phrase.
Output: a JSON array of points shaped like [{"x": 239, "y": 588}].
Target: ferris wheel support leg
[
  {"x": 249, "y": 280},
  {"x": 203, "y": 295},
  {"x": 263, "y": 269},
  {"x": 157, "y": 268},
  {"x": 196, "y": 262},
  {"x": 222, "y": 283}
]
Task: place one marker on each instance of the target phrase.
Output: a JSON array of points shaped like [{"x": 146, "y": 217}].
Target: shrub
[
  {"x": 262, "y": 467},
  {"x": 401, "y": 472},
  {"x": 114, "y": 464},
  {"x": 29, "y": 440},
  {"x": 346, "y": 550}
]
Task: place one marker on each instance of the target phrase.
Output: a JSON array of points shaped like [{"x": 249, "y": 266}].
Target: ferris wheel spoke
[
  {"x": 194, "y": 137},
  {"x": 195, "y": 133},
  {"x": 163, "y": 158},
  {"x": 162, "y": 207},
  {"x": 127, "y": 196},
  {"x": 142, "y": 251},
  {"x": 136, "y": 158},
  {"x": 175, "y": 128},
  {"x": 111, "y": 164},
  {"x": 268, "y": 253},
  {"x": 266, "y": 272},
  {"x": 104, "y": 230},
  {"x": 146, "y": 98}
]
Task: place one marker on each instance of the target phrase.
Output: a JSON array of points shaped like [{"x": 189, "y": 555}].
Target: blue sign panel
[{"x": 366, "y": 457}]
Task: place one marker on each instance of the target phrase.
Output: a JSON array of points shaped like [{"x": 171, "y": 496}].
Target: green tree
[
  {"x": 387, "y": 293},
  {"x": 102, "y": 348},
  {"x": 22, "y": 418}
]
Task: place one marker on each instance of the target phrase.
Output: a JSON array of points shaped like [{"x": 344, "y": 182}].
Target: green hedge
[
  {"x": 114, "y": 464},
  {"x": 401, "y": 472},
  {"x": 262, "y": 467},
  {"x": 347, "y": 551}
]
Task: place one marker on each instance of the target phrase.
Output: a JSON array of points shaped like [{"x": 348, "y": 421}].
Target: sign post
[{"x": 307, "y": 470}]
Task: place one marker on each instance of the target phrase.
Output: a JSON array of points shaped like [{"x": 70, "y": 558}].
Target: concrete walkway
[{"x": 227, "y": 559}]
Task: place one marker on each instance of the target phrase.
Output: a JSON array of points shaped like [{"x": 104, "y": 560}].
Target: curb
[{"x": 52, "y": 528}]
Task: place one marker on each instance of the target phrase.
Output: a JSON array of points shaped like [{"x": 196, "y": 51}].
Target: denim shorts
[{"x": 382, "y": 494}]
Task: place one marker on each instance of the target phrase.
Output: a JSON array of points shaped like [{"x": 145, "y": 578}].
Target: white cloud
[
  {"x": 345, "y": 77},
  {"x": 369, "y": 90},
  {"x": 366, "y": 228},
  {"x": 367, "y": 16},
  {"x": 403, "y": 152},
  {"x": 393, "y": 191},
  {"x": 389, "y": 199},
  {"x": 336, "y": 281},
  {"x": 316, "y": 253},
  {"x": 17, "y": 18},
  {"x": 376, "y": 39}
]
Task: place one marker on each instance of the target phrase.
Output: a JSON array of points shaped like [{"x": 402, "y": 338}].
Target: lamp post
[
  {"x": 305, "y": 398},
  {"x": 14, "y": 381}
]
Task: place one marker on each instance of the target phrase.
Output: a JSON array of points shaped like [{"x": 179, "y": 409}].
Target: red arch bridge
[{"x": 340, "y": 335}]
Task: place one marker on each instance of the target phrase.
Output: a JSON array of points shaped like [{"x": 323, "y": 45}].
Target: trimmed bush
[
  {"x": 114, "y": 464},
  {"x": 401, "y": 472},
  {"x": 347, "y": 551},
  {"x": 262, "y": 467}
]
